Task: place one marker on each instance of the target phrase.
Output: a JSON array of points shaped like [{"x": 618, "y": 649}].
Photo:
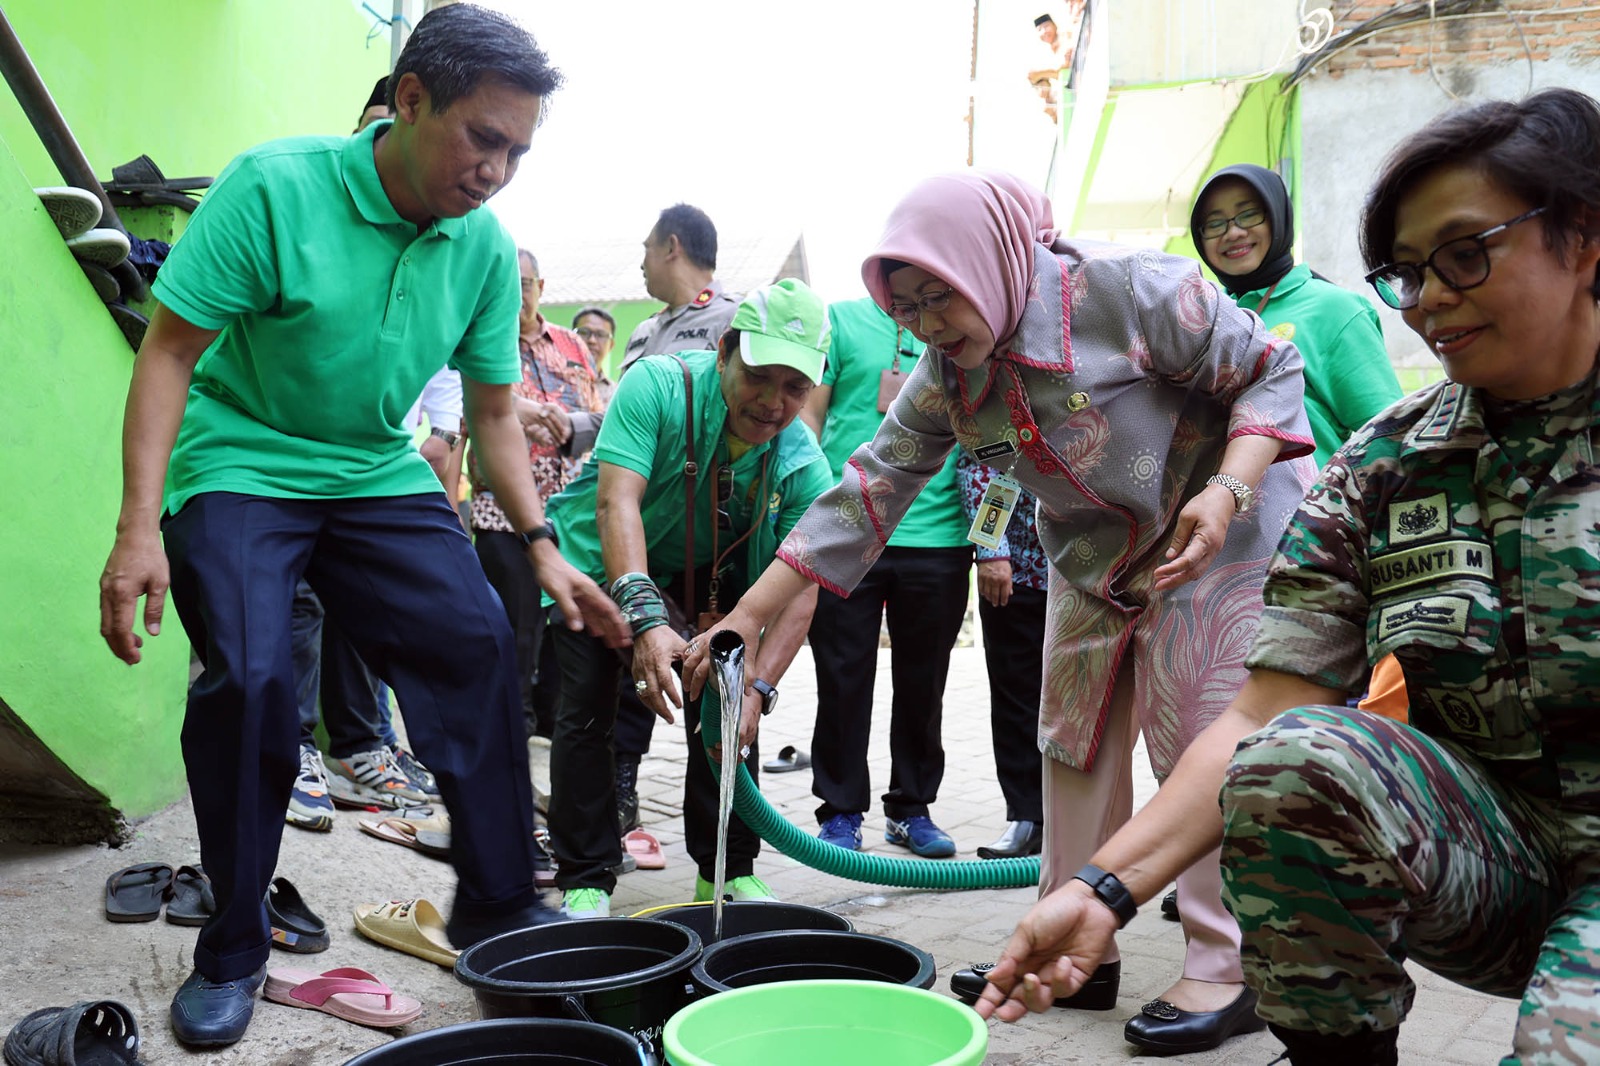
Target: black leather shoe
[
  {"x": 1097, "y": 993},
  {"x": 1019, "y": 839},
  {"x": 1169, "y": 907},
  {"x": 213, "y": 1013},
  {"x": 1164, "y": 1029}
]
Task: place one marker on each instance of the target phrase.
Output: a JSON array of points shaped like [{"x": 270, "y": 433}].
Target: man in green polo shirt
[
  {"x": 319, "y": 285},
  {"x": 623, "y": 522},
  {"x": 919, "y": 585}
]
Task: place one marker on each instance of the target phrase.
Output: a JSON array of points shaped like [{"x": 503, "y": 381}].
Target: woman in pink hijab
[{"x": 1149, "y": 416}]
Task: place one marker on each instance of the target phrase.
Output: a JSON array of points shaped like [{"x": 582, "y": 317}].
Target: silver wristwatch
[{"x": 1243, "y": 497}]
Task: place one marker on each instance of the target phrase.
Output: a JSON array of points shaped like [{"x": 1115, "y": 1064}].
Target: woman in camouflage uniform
[{"x": 1459, "y": 531}]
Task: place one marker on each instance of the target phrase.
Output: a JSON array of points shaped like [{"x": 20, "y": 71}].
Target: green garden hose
[{"x": 775, "y": 829}]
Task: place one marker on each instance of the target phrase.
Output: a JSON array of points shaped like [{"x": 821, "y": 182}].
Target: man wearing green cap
[{"x": 626, "y": 522}]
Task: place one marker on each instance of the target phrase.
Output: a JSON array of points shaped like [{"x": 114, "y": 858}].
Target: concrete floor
[{"x": 59, "y": 949}]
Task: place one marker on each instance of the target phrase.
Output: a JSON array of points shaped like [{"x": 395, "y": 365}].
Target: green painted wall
[
  {"x": 190, "y": 82},
  {"x": 65, "y": 376},
  {"x": 1264, "y": 130}
]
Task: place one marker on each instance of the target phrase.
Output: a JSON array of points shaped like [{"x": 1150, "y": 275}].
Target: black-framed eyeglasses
[
  {"x": 1462, "y": 264},
  {"x": 907, "y": 313},
  {"x": 724, "y": 494},
  {"x": 590, "y": 333},
  {"x": 1249, "y": 218}
]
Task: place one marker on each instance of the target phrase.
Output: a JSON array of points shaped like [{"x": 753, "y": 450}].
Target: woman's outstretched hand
[
  {"x": 1055, "y": 949},
  {"x": 1197, "y": 541}
]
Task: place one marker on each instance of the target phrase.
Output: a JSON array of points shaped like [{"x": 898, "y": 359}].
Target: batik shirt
[
  {"x": 556, "y": 368},
  {"x": 1462, "y": 535},
  {"x": 1112, "y": 403}
]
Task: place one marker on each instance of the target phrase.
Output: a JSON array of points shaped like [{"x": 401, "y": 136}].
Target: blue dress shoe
[
  {"x": 920, "y": 835},
  {"x": 213, "y": 1013},
  {"x": 1161, "y": 1028}
]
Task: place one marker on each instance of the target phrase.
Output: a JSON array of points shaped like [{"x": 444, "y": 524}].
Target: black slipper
[
  {"x": 136, "y": 893},
  {"x": 192, "y": 901},
  {"x": 101, "y": 1033},
  {"x": 788, "y": 759},
  {"x": 295, "y": 927}
]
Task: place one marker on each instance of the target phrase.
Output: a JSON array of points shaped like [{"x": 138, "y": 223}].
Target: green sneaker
[
  {"x": 748, "y": 889},
  {"x": 587, "y": 903}
]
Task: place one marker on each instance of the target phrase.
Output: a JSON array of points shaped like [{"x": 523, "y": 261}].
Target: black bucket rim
[
  {"x": 927, "y": 966},
  {"x": 664, "y": 914},
  {"x": 475, "y": 981},
  {"x": 496, "y": 1027}
]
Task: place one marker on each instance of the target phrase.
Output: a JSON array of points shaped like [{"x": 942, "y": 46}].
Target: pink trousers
[{"x": 1083, "y": 810}]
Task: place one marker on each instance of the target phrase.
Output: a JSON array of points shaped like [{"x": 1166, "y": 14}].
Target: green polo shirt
[
  {"x": 1348, "y": 374},
  {"x": 644, "y": 432},
  {"x": 334, "y": 313},
  {"x": 864, "y": 345}
]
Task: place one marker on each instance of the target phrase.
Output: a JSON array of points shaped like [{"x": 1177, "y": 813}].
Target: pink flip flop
[
  {"x": 645, "y": 849},
  {"x": 348, "y": 993}
]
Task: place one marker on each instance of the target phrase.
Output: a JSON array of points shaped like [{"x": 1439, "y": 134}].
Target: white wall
[
  {"x": 1190, "y": 40},
  {"x": 1349, "y": 125}
]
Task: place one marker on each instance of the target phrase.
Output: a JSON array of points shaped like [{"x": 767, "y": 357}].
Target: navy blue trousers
[{"x": 400, "y": 579}]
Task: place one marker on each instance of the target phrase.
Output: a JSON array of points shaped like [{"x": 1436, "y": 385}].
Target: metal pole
[
  {"x": 397, "y": 32},
  {"x": 57, "y": 138},
  {"x": 48, "y": 123}
]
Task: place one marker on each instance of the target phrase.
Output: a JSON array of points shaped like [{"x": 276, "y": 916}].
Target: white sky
[{"x": 809, "y": 117}]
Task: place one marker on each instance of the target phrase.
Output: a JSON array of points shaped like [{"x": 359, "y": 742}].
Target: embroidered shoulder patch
[
  {"x": 1411, "y": 520},
  {"x": 1444, "y": 614},
  {"x": 1429, "y": 563}
]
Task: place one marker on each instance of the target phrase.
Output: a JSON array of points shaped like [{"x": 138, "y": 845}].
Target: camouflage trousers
[{"x": 1353, "y": 842}]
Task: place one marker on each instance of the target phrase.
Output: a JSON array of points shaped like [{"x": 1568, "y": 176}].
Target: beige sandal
[{"x": 413, "y": 926}]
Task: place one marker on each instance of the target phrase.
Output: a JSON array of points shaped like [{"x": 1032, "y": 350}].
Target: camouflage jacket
[{"x": 1427, "y": 537}]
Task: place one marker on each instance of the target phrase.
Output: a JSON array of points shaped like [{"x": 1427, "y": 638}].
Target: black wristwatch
[
  {"x": 452, "y": 439},
  {"x": 544, "y": 532},
  {"x": 1110, "y": 890},
  {"x": 769, "y": 695}
]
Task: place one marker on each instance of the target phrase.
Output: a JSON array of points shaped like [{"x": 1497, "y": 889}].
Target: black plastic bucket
[
  {"x": 534, "y": 1041},
  {"x": 810, "y": 955},
  {"x": 745, "y": 917},
  {"x": 620, "y": 972}
]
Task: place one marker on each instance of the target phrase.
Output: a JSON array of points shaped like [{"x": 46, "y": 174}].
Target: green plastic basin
[{"x": 838, "y": 1023}]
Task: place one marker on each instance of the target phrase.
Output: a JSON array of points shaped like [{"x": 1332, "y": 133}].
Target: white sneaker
[
  {"x": 587, "y": 903},
  {"x": 372, "y": 778}
]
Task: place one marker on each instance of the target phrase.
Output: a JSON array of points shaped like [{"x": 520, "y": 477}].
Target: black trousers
[
  {"x": 506, "y": 565},
  {"x": 400, "y": 579},
  {"x": 583, "y": 812},
  {"x": 924, "y": 592},
  {"x": 326, "y": 666},
  {"x": 1013, "y": 649}
]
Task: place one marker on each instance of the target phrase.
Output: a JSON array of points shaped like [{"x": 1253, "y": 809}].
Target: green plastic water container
[{"x": 837, "y": 1023}]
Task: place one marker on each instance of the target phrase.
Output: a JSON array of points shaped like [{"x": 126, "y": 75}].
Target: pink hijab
[{"x": 975, "y": 231}]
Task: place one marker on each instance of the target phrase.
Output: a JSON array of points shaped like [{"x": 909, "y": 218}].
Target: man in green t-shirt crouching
[{"x": 624, "y": 521}]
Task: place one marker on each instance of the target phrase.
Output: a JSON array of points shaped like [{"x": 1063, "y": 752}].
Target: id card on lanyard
[
  {"x": 999, "y": 503},
  {"x": 892, "y": 380}
]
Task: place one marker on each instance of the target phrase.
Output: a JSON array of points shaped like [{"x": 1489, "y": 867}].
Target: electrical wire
[{"x": 1405, "y": 15}]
